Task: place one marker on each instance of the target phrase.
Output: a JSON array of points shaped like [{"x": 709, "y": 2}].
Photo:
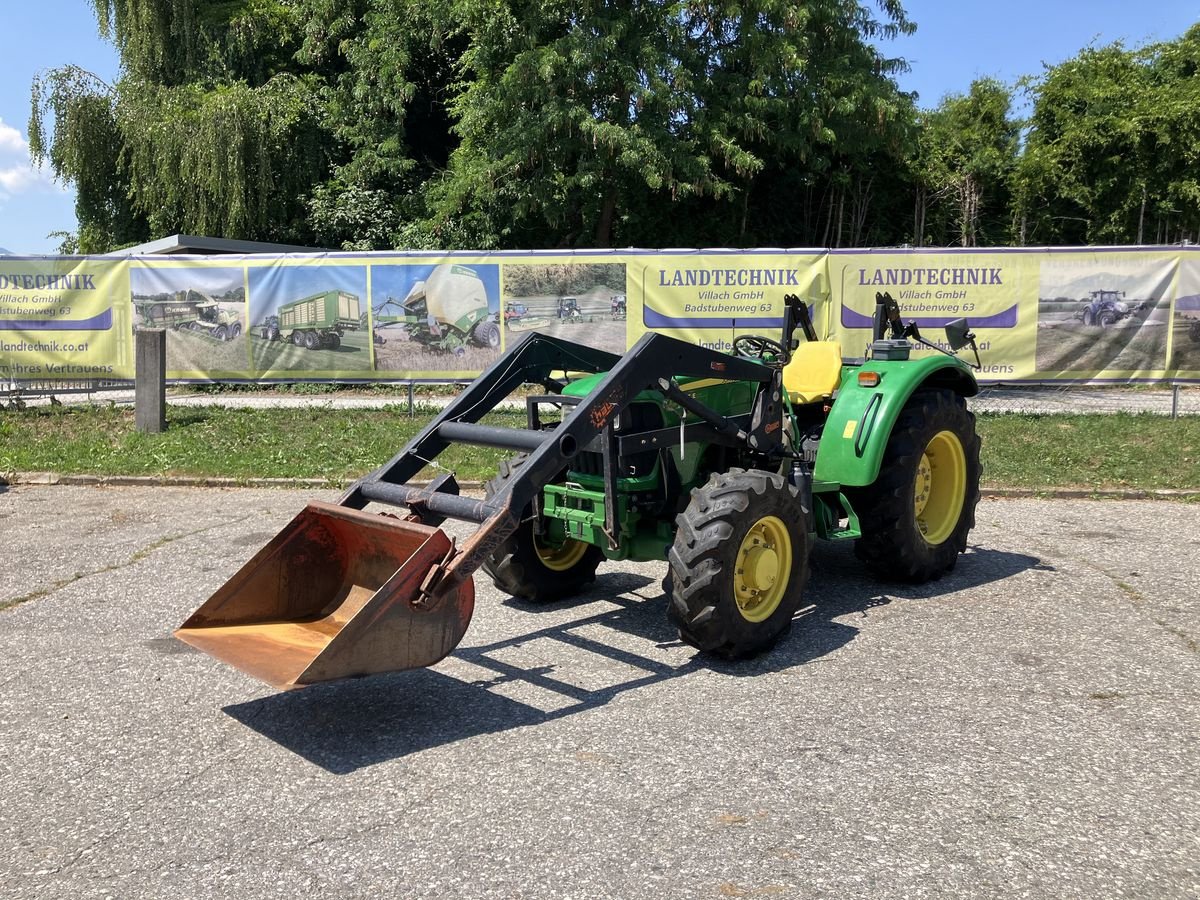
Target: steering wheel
[{"x": 756, "y": 346}]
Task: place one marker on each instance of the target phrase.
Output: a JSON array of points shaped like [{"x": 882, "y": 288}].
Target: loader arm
[{"x": 650, "y": 365}]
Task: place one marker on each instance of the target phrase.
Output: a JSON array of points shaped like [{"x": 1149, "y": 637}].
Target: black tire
[
  {"x": 518, "y": 568},
  {"x": 298, "y": 338},
  {"x": 895, "y": 512},
  {"x": 487, "y": 334},
  {"x": 333, "y": 340},
  {"x": 1106, "y": 319},
  {"x": 235, "y": 330},
  {"x": 715, "y": 605},
  {"x": 220, "y": 333},
  {"x": 1089, "y": 317},
  {"x": 273, "y": 333},
  {"x": 312, "y": 340}
]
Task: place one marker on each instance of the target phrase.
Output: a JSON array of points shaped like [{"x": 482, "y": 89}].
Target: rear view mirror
[{"x": 958, "y": 333}]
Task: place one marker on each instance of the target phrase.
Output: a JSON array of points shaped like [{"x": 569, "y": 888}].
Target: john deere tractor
[{"x": 728, "y": 466}]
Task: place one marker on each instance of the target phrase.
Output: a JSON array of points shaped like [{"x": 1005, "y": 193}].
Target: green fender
[{"x": 861, "y": 419}]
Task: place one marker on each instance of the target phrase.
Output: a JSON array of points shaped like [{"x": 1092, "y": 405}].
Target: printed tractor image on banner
[
  {"x": 1104, "y": 313},
  {"x": 710, "y": 299}
]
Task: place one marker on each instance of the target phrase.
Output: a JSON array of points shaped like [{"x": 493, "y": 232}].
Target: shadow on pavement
[{"x": 344, "y": 726}]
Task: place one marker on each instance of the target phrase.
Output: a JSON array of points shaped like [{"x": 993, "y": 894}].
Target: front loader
[{"x": 727, "y": 465}]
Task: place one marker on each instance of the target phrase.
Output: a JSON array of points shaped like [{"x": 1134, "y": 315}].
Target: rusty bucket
[{"x": 333, "y": 596}]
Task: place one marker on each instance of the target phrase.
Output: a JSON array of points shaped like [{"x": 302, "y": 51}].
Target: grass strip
[{"x": 1140, "y": 452}]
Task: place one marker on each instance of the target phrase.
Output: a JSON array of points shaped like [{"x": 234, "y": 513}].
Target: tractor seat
[{"x": 814, "y": 371}]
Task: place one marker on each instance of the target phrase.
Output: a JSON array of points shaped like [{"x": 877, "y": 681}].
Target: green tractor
[{"x": 728, "y": 466}]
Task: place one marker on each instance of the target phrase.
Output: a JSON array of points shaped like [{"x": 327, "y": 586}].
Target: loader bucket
[{"x": 332, "y": 596}]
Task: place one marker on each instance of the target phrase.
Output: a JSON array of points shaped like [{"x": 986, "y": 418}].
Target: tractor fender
[{"x": 861, "y": 419}]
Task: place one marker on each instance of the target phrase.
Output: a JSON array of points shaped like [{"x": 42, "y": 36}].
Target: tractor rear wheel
[
  {"x": 528, "y": 566},
  {"x": 739, "y": 563},
  {"x": 916, "y": 516},
  {"x": 235, "y": 330}
]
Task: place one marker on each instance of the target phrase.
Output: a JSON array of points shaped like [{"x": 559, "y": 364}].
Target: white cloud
[{"x": 17, "y": 171}]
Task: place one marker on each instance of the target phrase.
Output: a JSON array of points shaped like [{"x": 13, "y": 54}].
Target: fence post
[
  {"x": 150, "y": 381},
  {"x": 1175, "y": 401}
]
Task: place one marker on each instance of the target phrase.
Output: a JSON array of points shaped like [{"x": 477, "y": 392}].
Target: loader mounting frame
[{"x": 653, "y": 364}]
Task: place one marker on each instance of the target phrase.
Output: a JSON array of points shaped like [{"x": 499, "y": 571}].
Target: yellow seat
[{"x": 814, "y": 371}]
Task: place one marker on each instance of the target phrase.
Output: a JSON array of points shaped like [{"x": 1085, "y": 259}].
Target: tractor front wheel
[
  {"x": 529, "y": 566},
  {"x": 739, "y": 563},
  {"x": 916, "y": 516}
]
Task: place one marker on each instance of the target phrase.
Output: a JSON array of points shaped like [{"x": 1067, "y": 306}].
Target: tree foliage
[{"x": 370, "y": 124}]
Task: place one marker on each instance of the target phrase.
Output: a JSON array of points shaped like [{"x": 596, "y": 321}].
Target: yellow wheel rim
[
  {"x": 762, "y": 569},
  {"x": 940, "y": 487},
  {"x": 559, "y": 559}
]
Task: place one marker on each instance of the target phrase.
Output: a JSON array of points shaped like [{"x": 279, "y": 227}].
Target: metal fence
[{"x": 1173, "y": 400}]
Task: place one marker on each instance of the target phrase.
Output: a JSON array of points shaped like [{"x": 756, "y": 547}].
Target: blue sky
[{"x": 956, "y": 41}]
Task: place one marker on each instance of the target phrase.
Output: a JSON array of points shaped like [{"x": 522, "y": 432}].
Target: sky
[{"x": 956, "y": 42}]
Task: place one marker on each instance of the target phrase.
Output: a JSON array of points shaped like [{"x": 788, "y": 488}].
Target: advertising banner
[
  {"x": 64, "y": 319},
  {"x": 1119, "y": 314}
]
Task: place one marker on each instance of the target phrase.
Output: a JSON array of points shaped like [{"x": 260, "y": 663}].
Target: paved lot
[{"x": 1026, "y": 727}]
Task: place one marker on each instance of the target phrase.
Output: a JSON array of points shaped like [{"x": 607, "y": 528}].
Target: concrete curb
[{"x": 55, "y": 478}]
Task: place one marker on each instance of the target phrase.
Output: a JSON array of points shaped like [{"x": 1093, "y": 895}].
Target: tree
[
  {"x": 577, "y": 119},
  {"x": 1111, "y": 155},
  {"x": 966, "y": 155},
  {"x": 209, "y": 130}
]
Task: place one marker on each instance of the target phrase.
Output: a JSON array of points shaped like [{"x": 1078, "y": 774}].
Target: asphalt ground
[{"x": 1025, "y": 727}]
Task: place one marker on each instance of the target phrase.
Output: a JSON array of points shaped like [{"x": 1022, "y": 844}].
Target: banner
[
  {"x": 64, "y": 319},
  {"x": 1121, "y": 314}
]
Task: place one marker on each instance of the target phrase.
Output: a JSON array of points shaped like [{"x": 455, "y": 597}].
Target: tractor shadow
[{"x": 575, "y": 664}]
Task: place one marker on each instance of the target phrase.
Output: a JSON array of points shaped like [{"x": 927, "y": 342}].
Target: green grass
[
  {"x": 1144, "y": 452},
  {"x": 1109, "y": 451}
]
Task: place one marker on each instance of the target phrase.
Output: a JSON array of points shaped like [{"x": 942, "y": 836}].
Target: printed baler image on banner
[
  {"x": 435, "y": 317},
  {"x": 203, "y": 311},
  {"x": 309, "y": 319}
]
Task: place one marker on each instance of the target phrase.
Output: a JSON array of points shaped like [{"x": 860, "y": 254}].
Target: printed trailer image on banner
[
  {"x": 309, "y": 319},
  {"x": 584, "y": 302},
  {"x": 64, "y": 319},
  {"x": 203, "y": 311},
  {"x": 1185, "y": 333},
  {"x": 1104, "y": 315},
  {"x": 435, "y": 318}
]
